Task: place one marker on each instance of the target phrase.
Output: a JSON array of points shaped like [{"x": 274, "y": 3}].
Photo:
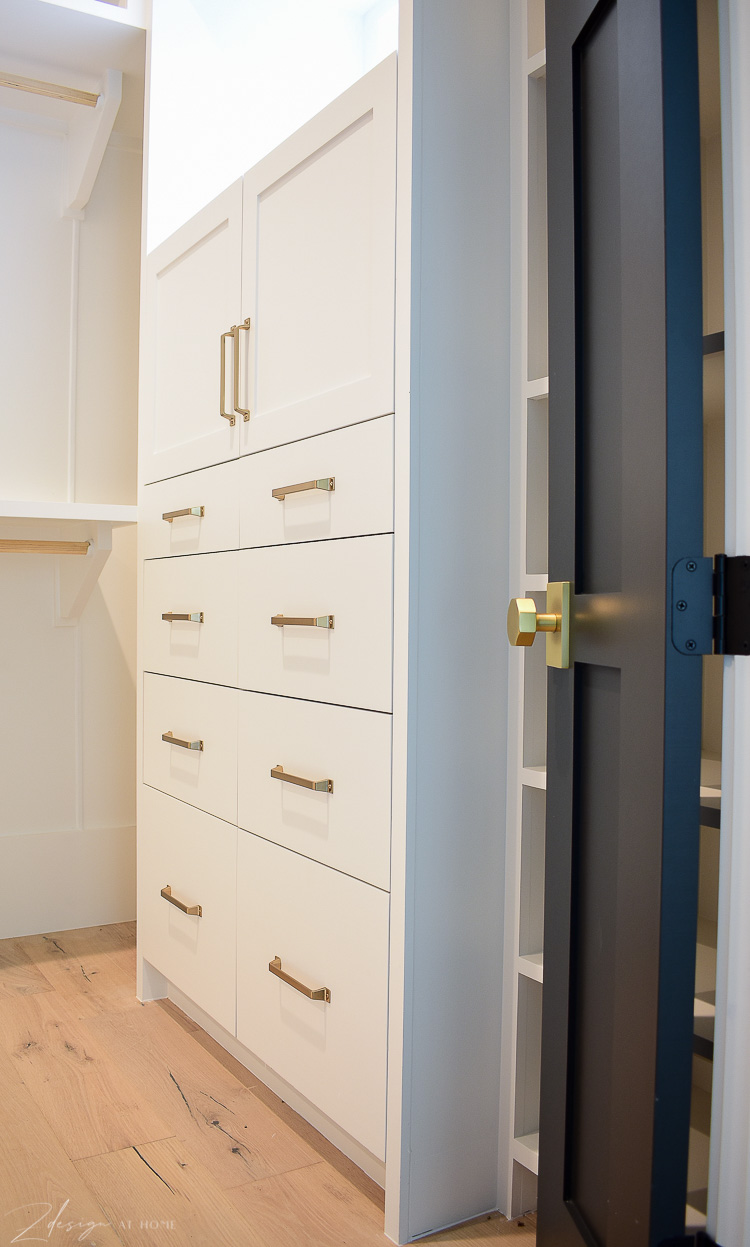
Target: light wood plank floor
[{"x": 126, "y": 1123}]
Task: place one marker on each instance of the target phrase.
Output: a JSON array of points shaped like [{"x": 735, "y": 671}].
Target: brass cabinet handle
[
  {"x": 235, "y": 330},
  {"x": 328, "y": 483},
  {"x": 317, "y": 785},
  {"x": 195, "y": 910},
  {"x": 302, "y": 621},
  {"x": 191, "y": 617},
  {"x": 175, "y": 515},
  {"x": 171, "y": 739},
  {"x": 312, "y": 993},
  {"x": 228, "y": 415}
]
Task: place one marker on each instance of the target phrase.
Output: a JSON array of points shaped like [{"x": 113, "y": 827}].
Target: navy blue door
[{"x": 624, "y": 722}]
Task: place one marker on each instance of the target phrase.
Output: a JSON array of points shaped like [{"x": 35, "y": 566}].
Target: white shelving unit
[
  {"x": 64, "y": 530},
  {"x": 527, "y": 728}
]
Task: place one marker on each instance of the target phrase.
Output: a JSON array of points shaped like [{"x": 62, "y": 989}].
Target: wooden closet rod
[
  {"x": 36, "y": 87},
  {"x": 27, "y": 546}
]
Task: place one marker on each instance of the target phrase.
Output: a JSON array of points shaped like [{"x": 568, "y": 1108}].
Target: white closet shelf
[
  {"x": 532, "y": 965},
  {"x": 93, "y": 512},
  {"x": 86, "y": 525},
  {"x": 526, "y": 1151},
  {"x": 538, "y": 388},
  {"x": 534, "y": 776},
  {"x": 536, "y": 66}
]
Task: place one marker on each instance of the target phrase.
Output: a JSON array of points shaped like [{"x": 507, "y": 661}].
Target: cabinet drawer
[
  {"x": 348, "y": 827},
  {"x": 328, "y": 931},
  {"x": 195, "y": 855},
  {"x": 201, "y": 584},
  {"x": 350, "y": 580},
  {"x": 201, "y": 766},
  {"x": 212, "y": 493},
  {"x": 359, "y": 463}
]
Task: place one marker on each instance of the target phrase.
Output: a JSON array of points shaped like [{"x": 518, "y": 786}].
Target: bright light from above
[{"x": 231, "y": 79}]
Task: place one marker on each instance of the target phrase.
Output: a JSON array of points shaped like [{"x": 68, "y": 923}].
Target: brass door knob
[{"x": 524, "y": 622}]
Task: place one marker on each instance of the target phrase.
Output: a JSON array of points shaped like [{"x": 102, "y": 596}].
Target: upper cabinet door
[
  {"x": 189, "y": 419},
  {"x": 318, "y": 271}
]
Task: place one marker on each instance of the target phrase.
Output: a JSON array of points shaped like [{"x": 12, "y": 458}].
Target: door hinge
[{"x": 711, "y": 605}]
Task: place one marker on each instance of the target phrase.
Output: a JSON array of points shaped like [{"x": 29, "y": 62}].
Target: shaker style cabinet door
[
  {"x": 318, "y": 271},
  {"x": 193, "y": 281}
]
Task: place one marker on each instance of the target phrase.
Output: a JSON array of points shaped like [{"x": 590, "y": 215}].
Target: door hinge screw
[
  {"x": 682, "y": 605},
  {"x": 691, "y": 565},
  {"x": 690, "y": 645}
]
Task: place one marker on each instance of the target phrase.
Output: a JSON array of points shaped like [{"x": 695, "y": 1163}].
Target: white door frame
[{"x": 729, "y": 1191}]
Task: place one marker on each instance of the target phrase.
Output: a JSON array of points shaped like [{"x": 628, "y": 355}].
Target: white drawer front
[
  {"x": 351, "y": 580},
  {"x": 348, "y": 828},
  {"x": 213, "y": 493},
  {"x": 201, "y": 766},
  {"x": 359, "y": 461},
  {"x": 196, "y": 856},
  {"x": 329, "y": 931},
  {"x": 202, "y": 584}
]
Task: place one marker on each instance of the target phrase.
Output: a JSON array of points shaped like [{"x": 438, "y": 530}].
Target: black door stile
[{"x": 623, "y": 751}]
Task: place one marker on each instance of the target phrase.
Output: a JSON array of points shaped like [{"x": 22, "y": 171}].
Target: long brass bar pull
[
  {"x": 195, "y": 910},
  {"x": 177, "y": 616},
  {"x": 312, "y": 993},
  {"x": 175, "y": 515},
  {"x": 317, "y": 785},
  {"x": 243, "y": 411},
  {"x": 327, "y": 483},
  {"x": 228, "y": 415},
  {"x": 171, "y": 739},
  {"x": 302, "y": 621}
]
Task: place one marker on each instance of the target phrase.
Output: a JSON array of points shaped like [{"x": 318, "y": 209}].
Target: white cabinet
[
  {"x": 318, "y": 269},
  {"x": 360, "y": 627},
  {"x": 193, "y": 283},
  {"x": 269, "y": 315}
]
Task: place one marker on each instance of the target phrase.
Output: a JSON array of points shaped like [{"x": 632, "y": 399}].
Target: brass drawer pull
[
  {"x": 228, "y": 415},
  {"x": 171, "y": 739},
  {"x": 195, "y": 910},
  {"x": 175, "y": 515},
  {"x": 297, "y": 621},
  {"x": 317, "y": 785},
  {"x": 312, "y": 993},
  {"x": 243, "y": 411},
  {"x": 172, "y": 616},
  {"x": 328, "y": 483}
]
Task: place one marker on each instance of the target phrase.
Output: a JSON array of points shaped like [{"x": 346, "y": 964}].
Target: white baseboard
[{"x": 61, "y": 880}]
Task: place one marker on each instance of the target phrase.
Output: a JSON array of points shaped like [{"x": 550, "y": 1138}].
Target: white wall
[{"x": 230, "y": 80}]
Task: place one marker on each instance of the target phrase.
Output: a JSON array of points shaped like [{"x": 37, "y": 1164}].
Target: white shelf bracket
[
  {"x": 75, "y": 578},
  {"x": 87, "y": 142}
]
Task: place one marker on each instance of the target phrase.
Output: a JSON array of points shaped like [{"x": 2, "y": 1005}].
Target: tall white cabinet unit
[{"x": 323, "y": 569}]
